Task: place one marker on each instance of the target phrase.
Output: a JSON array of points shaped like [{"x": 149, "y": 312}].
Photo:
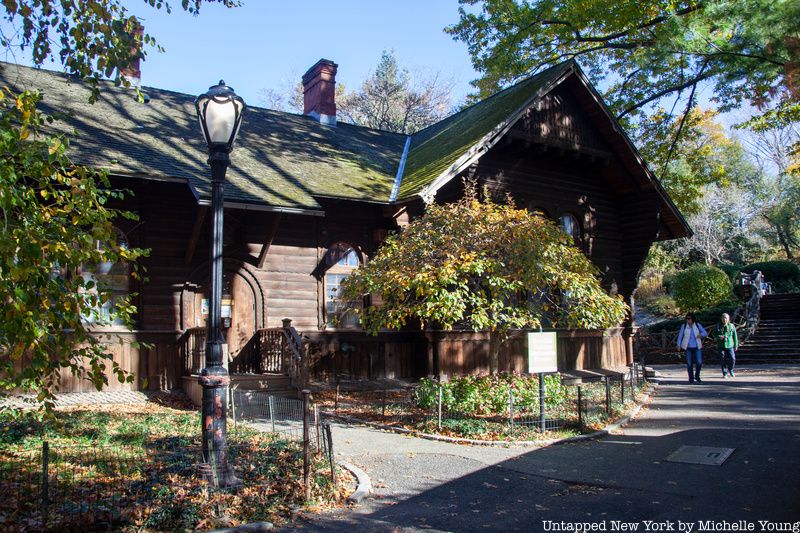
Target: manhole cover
[{"x": 700, "y": 455}]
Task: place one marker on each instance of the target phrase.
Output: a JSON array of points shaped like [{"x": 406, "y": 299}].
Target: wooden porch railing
[
  {"x": 192, "y": 350},
  {"x": 745, "y": 318},
  {"x": 270, "y": 350}
]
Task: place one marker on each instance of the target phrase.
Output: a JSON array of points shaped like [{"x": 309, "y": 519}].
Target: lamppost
[{"x": 220, "y": 113}]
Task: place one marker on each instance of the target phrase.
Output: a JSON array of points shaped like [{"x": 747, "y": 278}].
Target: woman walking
[
  {"x": 690, "y": 340},
  {"x": 728, "y": 342}
]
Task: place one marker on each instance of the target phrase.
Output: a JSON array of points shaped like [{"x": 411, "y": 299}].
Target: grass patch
[{"x": 134, "y": 467}]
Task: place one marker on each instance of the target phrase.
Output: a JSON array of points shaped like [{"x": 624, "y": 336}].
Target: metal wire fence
[
  {"x": 279, "y": 415},
  {"x": 576, "y": 404}
]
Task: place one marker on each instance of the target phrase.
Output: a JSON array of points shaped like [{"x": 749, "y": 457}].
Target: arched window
[
  {"x": 343, "y": 260},
  {"x": 569, "y": 225},
  {"x": 111, "y": 278}
]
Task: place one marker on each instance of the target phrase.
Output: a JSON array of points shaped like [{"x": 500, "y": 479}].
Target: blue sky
[{"x": 269, "y": 44}]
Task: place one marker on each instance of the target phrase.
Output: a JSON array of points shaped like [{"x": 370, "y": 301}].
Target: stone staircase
[{"x": 777, "y": 338}]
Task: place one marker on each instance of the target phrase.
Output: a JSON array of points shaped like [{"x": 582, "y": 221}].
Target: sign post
[{"x": 542, "y": 359}]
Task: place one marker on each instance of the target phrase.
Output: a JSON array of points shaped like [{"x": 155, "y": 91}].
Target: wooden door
[
  {"x": 243, "y": 317},
  {"x": 238, "y": 304}
]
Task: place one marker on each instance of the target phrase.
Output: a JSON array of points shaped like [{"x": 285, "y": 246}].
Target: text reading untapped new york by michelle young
[{"x": 672, "y": 525}]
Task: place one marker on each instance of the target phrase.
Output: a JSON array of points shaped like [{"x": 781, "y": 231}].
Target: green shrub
[
  {"x": 783, "y": 275},
  {"x": 668, "y": 280},
  {"x": 785, "y": 286},
  {"x": 664, "y": 305},
  {"x": 489, "y": 395},
  {"x": 701, "y": 286}
]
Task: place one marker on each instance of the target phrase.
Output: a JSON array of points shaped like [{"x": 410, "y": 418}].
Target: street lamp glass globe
[{"x": 220, "y": 114}]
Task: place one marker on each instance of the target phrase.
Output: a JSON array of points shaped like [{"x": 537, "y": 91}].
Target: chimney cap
[{"x": 318, "y": 66}]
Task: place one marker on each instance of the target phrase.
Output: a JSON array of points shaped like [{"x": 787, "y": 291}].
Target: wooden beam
[
  {"x": 198, "y": 225},
  {"x": 272, "y": 230}
]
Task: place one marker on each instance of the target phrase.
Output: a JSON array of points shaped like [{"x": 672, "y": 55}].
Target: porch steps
[
  {"x": 777, "y": 337},
  {"x": 274, "y": 384}
]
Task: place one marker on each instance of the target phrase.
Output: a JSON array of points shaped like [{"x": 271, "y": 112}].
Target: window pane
[
  {"x": 110, "y": 278},
  {"x": 333, "y": 306},
  {"x": 569, "y": 224}
]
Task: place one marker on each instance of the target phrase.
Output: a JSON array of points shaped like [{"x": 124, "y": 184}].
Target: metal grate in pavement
[{"x": 700, "y": 455}]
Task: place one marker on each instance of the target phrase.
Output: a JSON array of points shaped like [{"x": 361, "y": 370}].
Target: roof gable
[{"x": 440, "y": 151}]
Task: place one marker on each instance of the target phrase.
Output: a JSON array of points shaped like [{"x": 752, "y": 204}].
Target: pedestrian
[
  {"x": 690, "y": 340},
  {"x": 728, "y": 343}
]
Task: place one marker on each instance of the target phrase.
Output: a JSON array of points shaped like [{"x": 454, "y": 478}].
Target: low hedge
[{"x": 775, "y": 270}]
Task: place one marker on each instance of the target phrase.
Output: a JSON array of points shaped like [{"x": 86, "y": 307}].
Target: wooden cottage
[{"x": 307, "y": 200}]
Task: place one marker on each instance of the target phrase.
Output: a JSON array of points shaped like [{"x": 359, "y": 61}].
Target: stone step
[{"x": 768, "y": 355}]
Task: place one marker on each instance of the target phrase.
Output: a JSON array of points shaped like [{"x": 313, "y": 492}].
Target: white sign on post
[{"x": 542, "y": 355}]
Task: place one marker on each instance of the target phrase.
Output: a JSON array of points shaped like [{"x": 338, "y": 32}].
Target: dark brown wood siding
[{"x": 557, "y": 158}]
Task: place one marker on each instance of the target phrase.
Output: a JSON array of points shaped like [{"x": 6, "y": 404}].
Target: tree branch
[
  {"x": 671, "y": 89},
  {"x": 689, "y": 106}
]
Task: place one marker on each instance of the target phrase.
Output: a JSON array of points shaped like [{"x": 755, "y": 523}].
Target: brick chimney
[
  {"x": 319, "y": 92},
  {"x": 133, "y": 71}
]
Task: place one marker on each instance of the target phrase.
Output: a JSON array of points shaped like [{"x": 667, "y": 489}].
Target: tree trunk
[
  {"x": 785, "y": 243},
  {"x": 495, "y": 343}
]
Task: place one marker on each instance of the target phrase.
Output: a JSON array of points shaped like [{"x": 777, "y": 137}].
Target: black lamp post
[{"x": 220, "y": 113}]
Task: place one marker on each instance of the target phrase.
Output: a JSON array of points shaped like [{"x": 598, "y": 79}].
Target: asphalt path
[{"x": 621, "y": 482}]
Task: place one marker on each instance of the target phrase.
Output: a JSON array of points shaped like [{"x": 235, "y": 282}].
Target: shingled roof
[
  {"x": 285, "y": 161},
  {"x": 281, "y": 160}
]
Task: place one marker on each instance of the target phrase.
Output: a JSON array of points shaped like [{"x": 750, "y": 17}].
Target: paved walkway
[{"x": 426, "y": 485}]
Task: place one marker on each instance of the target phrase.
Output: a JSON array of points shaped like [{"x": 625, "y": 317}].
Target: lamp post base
[{"x": 216, "y": 468}]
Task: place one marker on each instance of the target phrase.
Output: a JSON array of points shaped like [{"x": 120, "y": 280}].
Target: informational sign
[
  {"x": 542, "y": 355},
  {"x": 227, "y": 308}
]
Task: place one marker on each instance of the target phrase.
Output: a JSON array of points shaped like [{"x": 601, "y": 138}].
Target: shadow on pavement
[{"x": 626, "y": 477}]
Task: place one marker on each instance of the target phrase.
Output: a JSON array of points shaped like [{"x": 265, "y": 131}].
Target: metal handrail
[{"x": 270, "y": 350}]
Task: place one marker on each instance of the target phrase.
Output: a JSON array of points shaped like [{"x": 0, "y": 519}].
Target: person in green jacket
[{"x": 728, "y": 342}]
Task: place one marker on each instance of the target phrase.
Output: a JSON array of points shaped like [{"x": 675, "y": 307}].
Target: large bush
[{"x": 700, "y": 287}]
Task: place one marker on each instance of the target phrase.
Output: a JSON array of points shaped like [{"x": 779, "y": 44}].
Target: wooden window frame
[{"x": 338, "y": 269}]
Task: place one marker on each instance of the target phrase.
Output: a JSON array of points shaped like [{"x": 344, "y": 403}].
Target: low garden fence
[
  {"x": 157, "y": 486},
  {"x": 562, "y": 405}
]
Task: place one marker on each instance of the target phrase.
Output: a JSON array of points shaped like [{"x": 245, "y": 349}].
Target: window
[
  {"x": 113, "y": 278},
  {"x": 569, "y": 225},
  {"x": 346, "y": 261}
]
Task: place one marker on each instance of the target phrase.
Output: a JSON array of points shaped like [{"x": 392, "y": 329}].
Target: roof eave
[{"x": 228, "y": 203}]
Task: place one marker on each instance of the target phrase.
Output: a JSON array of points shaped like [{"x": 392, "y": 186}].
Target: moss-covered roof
[
  {"x": 280, "y": 159},
  {"x": 434, "y": 149}
]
